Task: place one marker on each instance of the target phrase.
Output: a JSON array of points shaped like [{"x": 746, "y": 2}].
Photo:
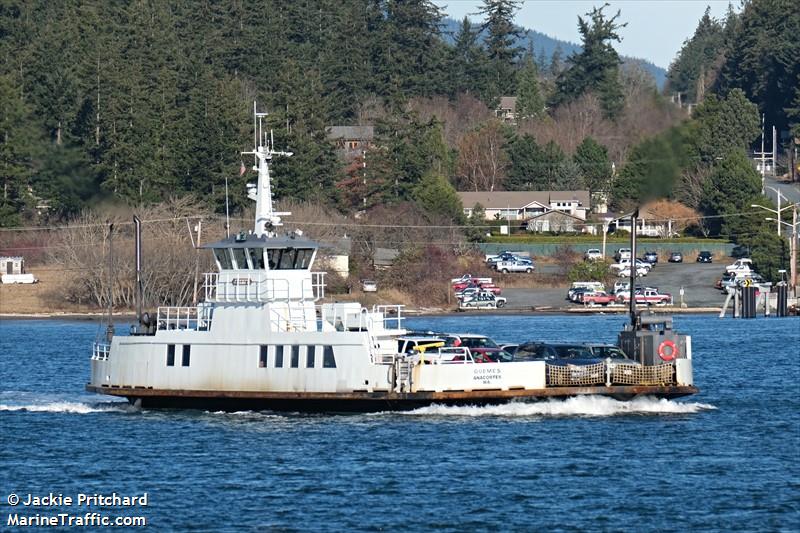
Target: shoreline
[{"x": 423, "y": 312}]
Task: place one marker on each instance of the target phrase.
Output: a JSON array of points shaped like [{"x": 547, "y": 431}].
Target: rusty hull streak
[{"x": 619, "y": 391}]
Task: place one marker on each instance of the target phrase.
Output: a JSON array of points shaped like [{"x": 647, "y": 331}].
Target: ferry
[{"x": 264, "y": 338}]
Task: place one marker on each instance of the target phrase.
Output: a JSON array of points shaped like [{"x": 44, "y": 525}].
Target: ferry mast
[{"x": 266, "y": 219}]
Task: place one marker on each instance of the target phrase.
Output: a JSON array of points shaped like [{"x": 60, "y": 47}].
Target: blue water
[{"x": 727, "y": 459}]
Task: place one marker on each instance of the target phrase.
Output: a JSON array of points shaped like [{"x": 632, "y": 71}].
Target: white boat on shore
[{"x": 261, "y": 339}]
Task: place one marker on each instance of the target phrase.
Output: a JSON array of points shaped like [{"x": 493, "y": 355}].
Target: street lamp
[
  {"x": 792, "y": 247},
  {"x": 778, "y": 211}
]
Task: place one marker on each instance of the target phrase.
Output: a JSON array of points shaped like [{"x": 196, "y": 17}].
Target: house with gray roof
[
  {"x": 351, "y": 141},
  {"x": 523, "y": 205}
]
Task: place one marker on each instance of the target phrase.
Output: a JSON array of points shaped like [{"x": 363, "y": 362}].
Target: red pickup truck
[
  {"x": 598, "y": 298},
  {"x": 646, "y": 296}
]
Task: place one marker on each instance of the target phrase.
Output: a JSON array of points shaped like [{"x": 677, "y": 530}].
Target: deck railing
[
  {"x": 100, "y": 351},
  {"x": 257, "y": 287},
  {"x": 197, "y": 318}
]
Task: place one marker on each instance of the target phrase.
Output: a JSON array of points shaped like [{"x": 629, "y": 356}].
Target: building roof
[
  {"x": 508, "y": 102},
  {"x": 554, "y": 213},
  {"x": 249, "y": 240},
  {"x": 362, "y": 133},
  {"x": 520, "y": 199}
]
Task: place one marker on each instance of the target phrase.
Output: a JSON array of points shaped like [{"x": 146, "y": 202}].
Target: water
[{"x": 726, "y": 459}]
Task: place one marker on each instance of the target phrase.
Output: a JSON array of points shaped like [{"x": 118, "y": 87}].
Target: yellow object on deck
[{"x": 422, "y": 347}]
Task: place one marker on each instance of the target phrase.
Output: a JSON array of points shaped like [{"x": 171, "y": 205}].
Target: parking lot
[{"x": 697, "y": 280}]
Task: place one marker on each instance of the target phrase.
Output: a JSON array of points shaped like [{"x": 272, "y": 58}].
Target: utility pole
[
  {"x": 763, "y": 155},
  {"x": 763, "y": 162}
]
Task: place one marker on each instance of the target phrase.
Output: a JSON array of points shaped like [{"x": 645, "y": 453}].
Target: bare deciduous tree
[{"x": 482, "y": 160}]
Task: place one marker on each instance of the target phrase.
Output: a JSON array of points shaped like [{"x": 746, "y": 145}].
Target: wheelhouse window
[
  {"x": 279, "y": 356},
  {"x": 238, "y": 255},
  {"x": 289, "y": 258},
  {"x": 327, "y": 357},
  {"x": 295, "y": 357},
  {"x": 256, "y": 257},
  {"x": 262, "y": 356},
  {"x": 187, "y": 353},
  {"x": 170, "y": 355},
  {"x": 224, "y": 260}
]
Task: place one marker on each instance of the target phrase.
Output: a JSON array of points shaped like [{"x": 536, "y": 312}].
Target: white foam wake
[
  {"x": 66, "y": 407},
  {"x": 600, "y": 406}
]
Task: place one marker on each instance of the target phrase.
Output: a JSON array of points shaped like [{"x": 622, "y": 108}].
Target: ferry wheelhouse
[{"x": 263, "y": 338}]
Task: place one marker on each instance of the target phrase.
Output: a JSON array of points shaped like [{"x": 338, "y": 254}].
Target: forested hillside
[
  {"x": 136, "y": 102},
  {"x": 139, "y": 101}
]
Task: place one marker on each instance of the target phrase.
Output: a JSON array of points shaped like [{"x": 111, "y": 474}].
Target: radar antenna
[{"x": 266, "y": 218}]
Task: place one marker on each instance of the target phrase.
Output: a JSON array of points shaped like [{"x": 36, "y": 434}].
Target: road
[
  {"x": 697, "y": 280},
  {"x": 790, "y": 191}
]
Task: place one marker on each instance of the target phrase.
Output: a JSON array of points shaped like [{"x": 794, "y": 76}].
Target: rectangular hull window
[
  {"x": 170, "y": 355},
  {"x": 262, "y": 357},
  {"x": 187, "y": 352},
  {"x": 279, "y": 357},
  {"x": 310, "y": 356},
  {"x": 295, "y": 357},
  {"x": 327, "y": 358}
]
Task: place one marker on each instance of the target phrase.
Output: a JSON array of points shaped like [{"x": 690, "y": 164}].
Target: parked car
[
  {"x": 502, "y": 256},
  {"x": 515, "y": 265},
  {"x": 592, "y": 285},
  {"x": 481, "y": 300},
  {"x": 626, "y": 263},
  {"x": 740, "y": 265},
  {"x": 417, "y": 343},
  {"x": 622, "y": 253},
  {"x": 651, "y": 257},
  {"x": 481, "y": 348},
  {"x": 676, "y": 257},
  {"x": 705, "y": 257},
  {"x": 626, "y": 272},
  {"x": 509, "y": 347},
  {"x": 487, "y": 285},
  {"x": 550, "y": 352},
  {"x": 621, "y": 286},
  {"x": 646, "y": 295},
  {"x": 469, "y": 278},
  {"x": 592, "y": 254},
  {"x": 610, "y": 351},
  {"x": 595, "y": 298},
  {"x": 368, "y": 285}
]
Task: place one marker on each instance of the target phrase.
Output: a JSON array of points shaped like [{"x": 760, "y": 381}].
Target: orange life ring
[{"x": 673, "y": 351}]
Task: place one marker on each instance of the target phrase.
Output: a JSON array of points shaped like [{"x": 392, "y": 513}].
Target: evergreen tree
[
  {"x": 556, "y": 65},
  {"x": 732, "y": 186},
  {"x": 596, "y": 67},
  {"x": 525, "y": 171},
  {"x": 652, "y": 169},
  {"x": 592, "y": 159},
  {"x": 436, "y": 196},
  {"x": 723, "y": 124},
  {"x": 18, "y": 141},
  {"x": 500, "y": 42},
  {"x": 693, "y": 68},
  {"x": 764, "y": 59},
  {"x": 530, "y": 103},
  {"x": 468, "y": 64},
  {"x": 409, "y": 52}
]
